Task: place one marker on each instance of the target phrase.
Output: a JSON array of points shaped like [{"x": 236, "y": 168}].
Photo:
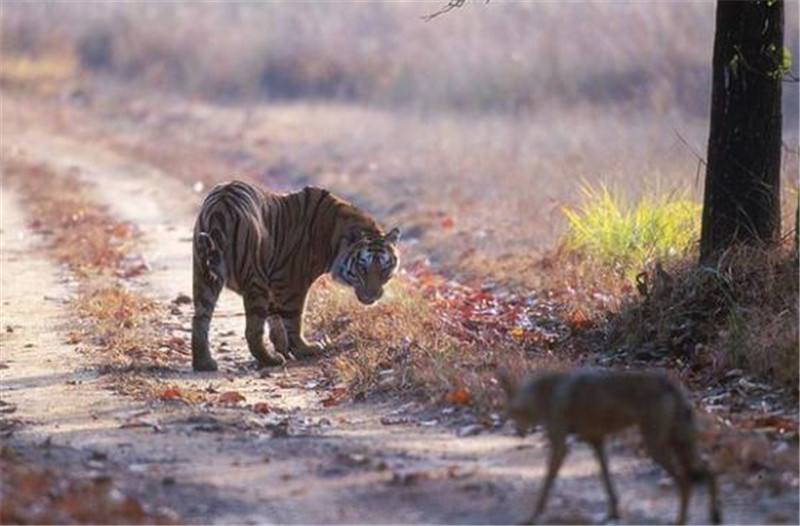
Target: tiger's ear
[
  {"x": 353, "y": 236},
  {"x": 393, "y": 236}
]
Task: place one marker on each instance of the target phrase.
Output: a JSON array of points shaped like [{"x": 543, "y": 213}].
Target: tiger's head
[{"x": 366, "y": 261}]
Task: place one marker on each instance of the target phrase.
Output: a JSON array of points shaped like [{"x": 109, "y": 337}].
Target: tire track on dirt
[
  {"x": 41, "y": 365},
  {"x": 67, "y": 416}
]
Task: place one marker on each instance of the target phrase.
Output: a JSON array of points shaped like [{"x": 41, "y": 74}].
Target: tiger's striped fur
[{"x": 270, "y": 248}]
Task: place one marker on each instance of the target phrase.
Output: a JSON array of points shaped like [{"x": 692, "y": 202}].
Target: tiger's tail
[{"x": 211, "y": 257}]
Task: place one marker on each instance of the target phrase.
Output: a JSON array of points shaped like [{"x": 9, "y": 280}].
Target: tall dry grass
[
  {"x": 741, "y": 312},
  {"x": 507, "y": 56}
]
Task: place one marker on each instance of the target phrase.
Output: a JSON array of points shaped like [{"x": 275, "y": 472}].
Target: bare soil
[{"x": 378, "y": 461}]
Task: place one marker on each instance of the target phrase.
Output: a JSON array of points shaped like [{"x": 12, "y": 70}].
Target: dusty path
[
  {"x": 43, "y": 370},
  {"x": 302, "y": 462}
]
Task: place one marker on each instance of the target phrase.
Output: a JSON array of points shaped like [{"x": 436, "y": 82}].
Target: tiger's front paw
[
  {"x": 308, "y": 350},
  {"x": 270, "y": 359},
  {"x": 206, "y": 364}
]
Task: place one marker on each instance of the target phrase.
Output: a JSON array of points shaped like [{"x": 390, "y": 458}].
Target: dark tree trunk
[{"x": 742, "y": 191}]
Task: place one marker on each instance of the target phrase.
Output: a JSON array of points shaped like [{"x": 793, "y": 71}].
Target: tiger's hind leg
[
  {"x": 205, "y": 292},
  {"x": 256, "y": 308}
]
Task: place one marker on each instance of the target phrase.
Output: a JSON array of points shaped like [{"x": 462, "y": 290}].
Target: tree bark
[{"x": 742, "y": 186}]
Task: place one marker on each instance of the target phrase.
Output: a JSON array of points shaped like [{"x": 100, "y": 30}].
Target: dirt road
[{"x": 302, "y": 462}]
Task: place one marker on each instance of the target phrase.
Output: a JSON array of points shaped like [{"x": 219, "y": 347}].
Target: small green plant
[{"x": 627, "y": 237}]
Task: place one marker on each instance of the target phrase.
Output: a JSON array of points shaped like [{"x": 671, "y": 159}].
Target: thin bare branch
[
  {"x": 451, "y": 4},
  {"x": 700, "y": 159}
]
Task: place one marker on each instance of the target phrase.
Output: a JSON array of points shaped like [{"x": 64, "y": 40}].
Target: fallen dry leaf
[
  {"x": 460, "y": 396},
  {"x": 578, "y": 319},
  {"x": 336, "y": 395},
  {"x": 261, "y": 408},
  {"x": 176, "y": 343},
  {"x": 230, "y": 398},
  {"x": 171, "y": 393}
]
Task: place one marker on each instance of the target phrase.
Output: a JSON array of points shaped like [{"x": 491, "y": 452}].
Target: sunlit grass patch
[
  {"x": 45, "y": 73},
  {"x": 629, "y": 236}
]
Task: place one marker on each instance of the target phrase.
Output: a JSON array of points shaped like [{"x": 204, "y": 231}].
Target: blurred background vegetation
[{"x": 507, "y": 57}]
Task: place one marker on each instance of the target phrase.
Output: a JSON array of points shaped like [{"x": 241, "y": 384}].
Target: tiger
[{"x": 270, "y": 248}]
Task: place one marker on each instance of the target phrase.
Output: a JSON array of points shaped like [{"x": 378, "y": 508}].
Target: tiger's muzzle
[{"x": 368, "y": 298}]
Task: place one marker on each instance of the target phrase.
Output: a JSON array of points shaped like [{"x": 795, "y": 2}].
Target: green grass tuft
[{"x": 628, "y": 237}]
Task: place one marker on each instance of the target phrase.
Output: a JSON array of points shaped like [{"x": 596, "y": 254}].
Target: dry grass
[
  {"x": 741, "y": 313},
  {"x": 429, "y": 338},
  {"x": 400, "y": 344},
  {"x": 83, "y": 235},
  {"x": 124, "y": 324}
]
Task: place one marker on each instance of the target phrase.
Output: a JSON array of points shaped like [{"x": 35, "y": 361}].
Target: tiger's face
[{"x": 366, "y": 264}]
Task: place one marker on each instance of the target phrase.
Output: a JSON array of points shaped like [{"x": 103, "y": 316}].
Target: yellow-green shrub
[{"x": 627, "y": 236}]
